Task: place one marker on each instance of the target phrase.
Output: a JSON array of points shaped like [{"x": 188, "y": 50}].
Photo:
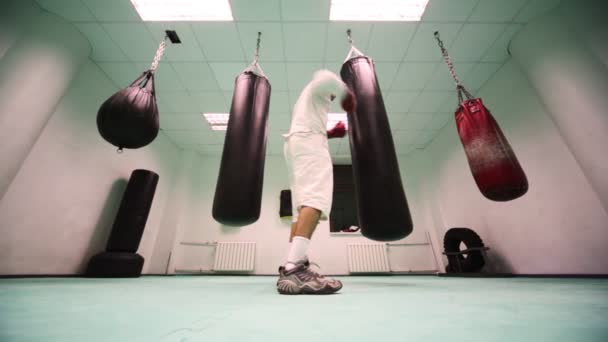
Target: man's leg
[
  {"x": 301, "y": 232},
  {"x": 294, "y": 227},
  {"x": 307, "y": 222}
]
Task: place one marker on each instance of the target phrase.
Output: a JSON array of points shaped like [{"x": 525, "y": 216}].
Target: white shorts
[{"x": 310, "y": 172}]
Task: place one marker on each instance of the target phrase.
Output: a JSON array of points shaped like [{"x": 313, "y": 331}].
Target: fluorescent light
[
  {"x": 217, "y": 121},
  {"x": 183, "y": 10},
  {"x": 334, "y": 118},
  {"x": 377, "y": 10}
]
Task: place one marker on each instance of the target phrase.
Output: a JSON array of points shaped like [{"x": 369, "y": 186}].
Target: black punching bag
[
  {"x": 120, "y": 258},
  {"x": 129, "y": 118},
  {"x": 238, "y": 194},
  {"x": 133, "y": 212},
  {"x": 381, "y": 204}
]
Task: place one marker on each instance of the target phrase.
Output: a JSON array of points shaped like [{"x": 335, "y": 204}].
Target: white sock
[{"x": 297, "y": 251}]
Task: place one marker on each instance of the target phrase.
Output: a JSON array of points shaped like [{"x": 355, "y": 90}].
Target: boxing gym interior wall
[
  {"x": 64, "y": 173},
  {"x": 541, "y": 67},
  {"x": 435, "y": 177}
]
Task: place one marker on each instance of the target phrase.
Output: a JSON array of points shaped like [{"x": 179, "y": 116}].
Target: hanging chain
[
  {"x": 459, "y": 87},
  {"x": 159, "y": 54},
  {"x": 257, "y": 48},
  {"x": 350, "y": 38},
  {"x": 448, "y": 60}
]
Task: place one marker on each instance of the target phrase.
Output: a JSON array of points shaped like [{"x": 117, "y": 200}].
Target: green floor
[{"x": 235, "y": 308}]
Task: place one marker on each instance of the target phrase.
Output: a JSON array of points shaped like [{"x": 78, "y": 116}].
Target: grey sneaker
[{"x": 302, "y": 280}]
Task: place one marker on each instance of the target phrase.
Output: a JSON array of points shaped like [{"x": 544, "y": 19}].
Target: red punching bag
[
  {"x": 493, "y": 163},
  {"x": 491, "y": 159}
]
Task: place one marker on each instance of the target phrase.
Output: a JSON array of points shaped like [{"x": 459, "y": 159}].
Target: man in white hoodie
[{"x": 311, "y": 178}]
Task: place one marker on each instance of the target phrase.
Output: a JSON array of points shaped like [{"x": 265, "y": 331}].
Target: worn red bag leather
[{"x": 493, "y": 164}]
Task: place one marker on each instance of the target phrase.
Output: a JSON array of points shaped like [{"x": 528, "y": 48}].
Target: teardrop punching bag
[
  {"x": 381, "y": 204},
  {"x": 238, "y": 194},
  {"x": 129, "y": 118}
]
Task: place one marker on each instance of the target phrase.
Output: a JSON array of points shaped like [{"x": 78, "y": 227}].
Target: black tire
[{"x": 473, "y": 261}]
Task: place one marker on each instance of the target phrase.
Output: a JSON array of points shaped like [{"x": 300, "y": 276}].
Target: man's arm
[{"x": 325, "y": 83}]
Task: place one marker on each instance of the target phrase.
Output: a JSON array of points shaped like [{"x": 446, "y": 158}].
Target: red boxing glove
[
  {"x": 338, "y": 131},
  {"x": 349, "y": 102}
]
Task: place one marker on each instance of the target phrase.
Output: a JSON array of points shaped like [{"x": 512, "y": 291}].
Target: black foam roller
[
  {"x": 133, "y": 212},
  {"x": 238, "y": 193},
  {"x": 381, "y": 204}
]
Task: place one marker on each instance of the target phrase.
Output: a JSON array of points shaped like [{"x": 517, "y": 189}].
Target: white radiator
[
  {"x": 367, "y": 258},
  {"x": 234, "y": 256}
]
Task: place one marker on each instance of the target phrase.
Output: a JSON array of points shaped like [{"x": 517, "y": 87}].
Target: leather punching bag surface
[
  {"x": 133, "y": 212},
  {"x": 495, "y": 168},
  {"x": 238, "y": 194},
  {"x": 381, "y": 204},
  {"x": 129, "y": 118}
]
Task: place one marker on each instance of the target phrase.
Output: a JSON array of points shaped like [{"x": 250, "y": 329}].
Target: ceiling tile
[
  {"x": 212, "y": 101},
  {"x": 277, "y": 76},
  {"x": 280, "y": 121},
  {"x": 187, "y": 50},
  {"x": 104, "y": 48},
  {"x": 121, "y": 73},
  {"x": 176, "y": 102},
  {"x": 479, "y": 75},
  {"x": 404, "y": 149},
  {"x": 71, "y": 10},
  {"x": 405, "y": 137},
  {"x": 424, "y": 137},
  {"x": 134, "y": 39},
  {"x": 424, "y": 46},
  {"x": 275, "y": 140},
  {"x": 165, "y": 77},
  {"x": 189, "y": 137},
  {"x": 309, "y": 10},
  {"x": 259, "y": 10},
  {"x": 389, "y": 41},
  {"x": 416, "y": 120},
  {"x": 385, "y": 73},
  {"x": 112, "y": 10},
  {"x": 439, "y": 120},
  {"x": 474, "y": 40},
  {"x": 183, "y": 121},
  {"x": 498, "y": 52},
  {"x": 304, "y": 41},
  {"x": 450, "y": 103},
  {"x": 337, "y": 46},
  {"x": 211, "y": 150},
  {"x": 279, "y": 103},
  {"x": 271, "y": 44},
  {"x": 220, "y": 41},
  {"x": 399, "y": 101},
  {"x": 442, "y": 79},
  {"x": 299, "y": 74},
  {"x": 429, "y": 101},
  {"x": 448, "y": 10},
  {"x": 226, "y": 73},
  {"x": 397, "y": 120},
  {"x": 413, "y": 75},
  {"x": 534, "y": 8},
  {"x": 496, "y": 10},
  {"x": 196, "y": 75}
]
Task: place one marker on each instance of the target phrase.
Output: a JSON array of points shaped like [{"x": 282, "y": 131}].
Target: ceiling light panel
[
  {"x": 183, "y": 10},
  {"x": 377, "y": 10}
]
